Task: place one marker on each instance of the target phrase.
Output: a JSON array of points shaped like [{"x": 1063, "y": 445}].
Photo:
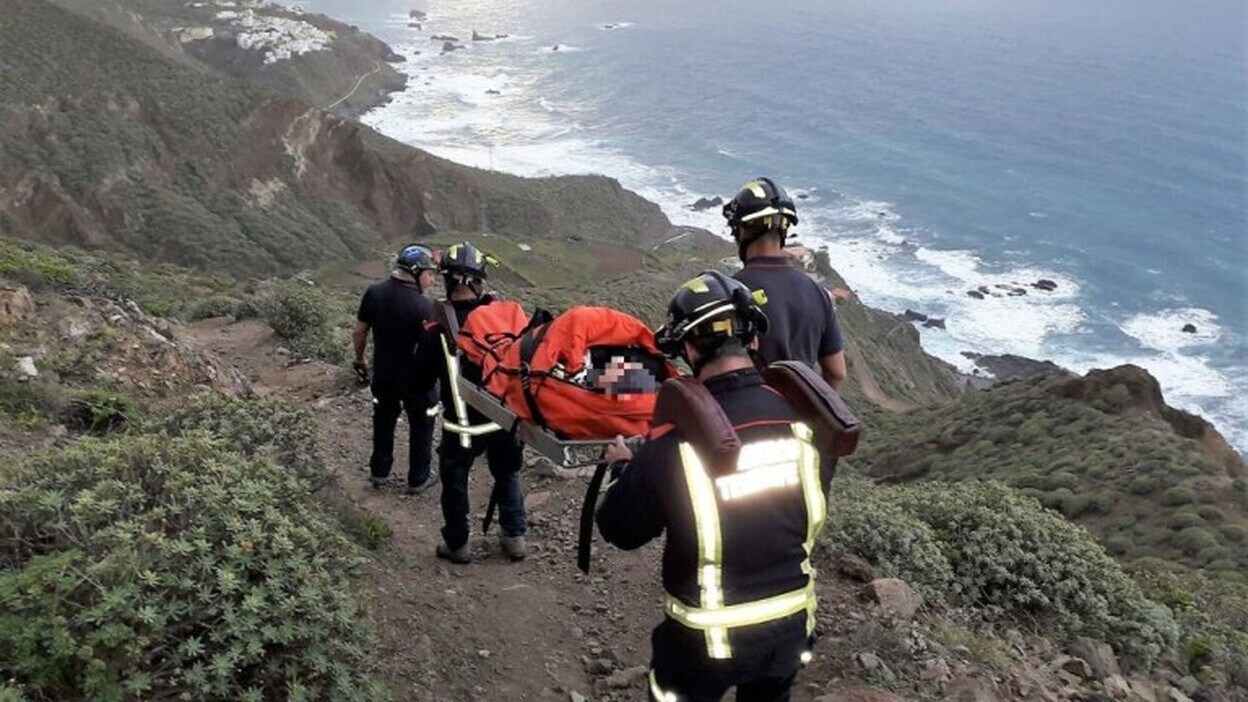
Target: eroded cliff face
[{"x": 107, "y": 142}]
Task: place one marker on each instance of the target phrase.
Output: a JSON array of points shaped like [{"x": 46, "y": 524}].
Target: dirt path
[
  {"x": 491, "y": 630},
  {"x": 861, "y": 374},
  {"x": 359, "y": 81}
]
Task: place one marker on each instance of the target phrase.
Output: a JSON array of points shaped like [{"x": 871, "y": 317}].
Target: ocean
[{"x": 937, "y": 147}]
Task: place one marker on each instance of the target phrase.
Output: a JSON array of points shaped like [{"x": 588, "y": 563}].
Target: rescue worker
[
  {"x": 739, "y": 584},
  {"x": 466, "y": 433},
  {"x": 395, "y": 311},
  {"x": 802, "y": 316}
]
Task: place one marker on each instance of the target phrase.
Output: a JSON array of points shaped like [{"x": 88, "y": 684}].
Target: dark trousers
[
  {"x": 679, "y": 665},
  {"x": 387, "y": 405},
  {"x": 505, "y": 458}
]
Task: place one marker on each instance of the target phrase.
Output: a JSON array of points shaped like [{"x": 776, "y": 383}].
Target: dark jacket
[
  {"x": 396, "y": 313},
  {"x": 764, "y": 533}
]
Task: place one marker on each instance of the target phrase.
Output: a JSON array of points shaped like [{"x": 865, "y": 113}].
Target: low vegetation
[
  {"x": 185, "y": 559},
  {"x": 988, "y": 547}
]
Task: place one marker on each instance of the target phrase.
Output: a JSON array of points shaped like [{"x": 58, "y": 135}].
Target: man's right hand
[{"x": 361, "y": 372}]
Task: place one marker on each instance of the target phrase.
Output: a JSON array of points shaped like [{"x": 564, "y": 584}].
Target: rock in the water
[
  {"x": 1099, "y": 655},
  {"x": 417, "y": 14},
  {"x": 443, "y": 37},
  {"x": 1189, "y": 328},
  {"x": 934, "y": 323},
  {"x": 911, "y": 316},
  {"x": 448, "y": 47},
  {"x": 16, "y": 305},
  {"x": 1044, "y": 284},
  {"x": 895, "y": 596},
  {"x": 975, "y": 294},
  {"x": 706, "y": 203}
]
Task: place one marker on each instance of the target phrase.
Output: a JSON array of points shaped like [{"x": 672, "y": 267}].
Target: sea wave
[{"x": 451, "y": 110}]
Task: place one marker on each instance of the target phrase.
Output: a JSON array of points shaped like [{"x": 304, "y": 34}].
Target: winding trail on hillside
[
  {"x": 358, "y": 82},
  {"x": 860, "y": 373},
  {"x": 491, "y": 630}
]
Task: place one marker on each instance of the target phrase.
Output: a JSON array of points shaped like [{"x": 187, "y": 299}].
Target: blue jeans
[{"x": 505, "y": 458}]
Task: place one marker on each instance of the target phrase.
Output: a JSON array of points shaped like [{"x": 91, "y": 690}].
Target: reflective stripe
[
  {"x": 434, "y": 411},
  {"x": 465, "y": 430},
  {"x": 710, "y": 546},
  {"x": 713, "y": 617},
  {"x": 816, "y": 508},
  {"x": 744, "y": 614},
  {"x": 474, "y": 430},
  {"x": 657, "y": 692}
]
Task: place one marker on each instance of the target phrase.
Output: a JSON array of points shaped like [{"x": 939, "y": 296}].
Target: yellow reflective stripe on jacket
[
  {"x": 465, "y": 430},
  {"x": 744, "y": 614},
  {"x": 713, "y": 617},
  {"x": 710, "y": 546}
]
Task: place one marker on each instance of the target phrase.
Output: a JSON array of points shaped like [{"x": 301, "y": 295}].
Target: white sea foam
[
  {"x": 891, "y": 265},
  {"x": 559, "y": 49},
  {"x": 614, "y": 26},
  {"x": 1164, "y": 330}
]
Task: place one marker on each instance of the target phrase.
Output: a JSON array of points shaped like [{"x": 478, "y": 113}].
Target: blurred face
[{"x": 426, "y": 279}]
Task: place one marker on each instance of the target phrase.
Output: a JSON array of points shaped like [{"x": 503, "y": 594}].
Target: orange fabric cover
[{"x": 490, "y": 328}]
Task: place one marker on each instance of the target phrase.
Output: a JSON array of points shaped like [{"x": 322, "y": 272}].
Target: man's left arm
[
  {"x": 630, "y": 513},
  {"x": 832, "y": 349}
]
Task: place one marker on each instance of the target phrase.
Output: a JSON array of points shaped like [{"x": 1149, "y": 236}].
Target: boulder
[
  {"x": 1117, "y": 687},
  {"x": 16, "y": 306},
  {"x": 1189, "y": 328},
  {"x": 477, "y": 36},
  {"x": 26, "y": 369},
  {"x": 448, "y": 47},
  {"x": 1099, "y": 655},
  {"x": 627, "y": 678},
  {"x": 895, "y": 596},
  {"x": 417, "y": 14},
  {"x": 1044, "y": 284},
  {"x": 911, "y": 316},
  {"x": 975, "y": 294},
  {"x": 854, "y": 567},
  {"x": 1074, "y": 665},
  {"x": 934, "y": 323}
]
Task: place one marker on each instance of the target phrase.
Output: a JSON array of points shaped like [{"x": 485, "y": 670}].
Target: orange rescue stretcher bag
[
  {"x": 590, "y": 373},
  {"x": 490, "y": 329}
]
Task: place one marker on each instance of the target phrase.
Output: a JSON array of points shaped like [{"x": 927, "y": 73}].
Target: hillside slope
[{"x": 109, "y": 141}]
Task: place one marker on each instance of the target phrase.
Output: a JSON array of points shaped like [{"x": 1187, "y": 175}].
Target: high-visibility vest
[
  {"x": 459, "y": 425},
  {"x": 763, "y": 465}
]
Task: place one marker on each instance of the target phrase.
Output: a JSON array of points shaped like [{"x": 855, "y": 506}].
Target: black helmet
[
  {"x": 415, "y": 258},
  {"x": 710, "y": 308},
  {"x": 761, "y": 198},
  {"x": 464, "y": 259}
]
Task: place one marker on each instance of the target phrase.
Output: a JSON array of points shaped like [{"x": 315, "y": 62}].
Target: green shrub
[
  {"x": 1178, "y": 495},
  {"x": 1234, "y": 533},
  {"x": 1143, "y": 485},
  {"x": 97, "y": 411},
  {"x": 1193, "y": 540},
  {"x": 1184, "y": 520},
  {"x": 1209, "y": 513},
  {"x": 215, "y": 306},
  {"x": 250, "y": 425},
  {"x": 1001, "y": 551},
  {"x": 150, "y": 567},
  {"x": 303, "y": 316}
]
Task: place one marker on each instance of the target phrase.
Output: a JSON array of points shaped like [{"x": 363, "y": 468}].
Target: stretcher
[{"x": 562, "y": 452}]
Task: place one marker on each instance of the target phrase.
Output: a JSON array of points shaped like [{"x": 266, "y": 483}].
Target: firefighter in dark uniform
[
  {"x": 466, "y": 433},
  {"x": 802, "y": 316},
  {"x": 395, "y": 311},
  {"x": 739, "y": 584}
]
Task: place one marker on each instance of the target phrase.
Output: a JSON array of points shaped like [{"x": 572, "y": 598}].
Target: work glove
[{"x": 361, "y": 372}]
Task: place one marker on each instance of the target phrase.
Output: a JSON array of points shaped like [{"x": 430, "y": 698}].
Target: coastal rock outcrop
[
  {"x": 1011, "y": 367},
  {"x": 706, "y": 203},
  {"x": 1189, "y": 328}
]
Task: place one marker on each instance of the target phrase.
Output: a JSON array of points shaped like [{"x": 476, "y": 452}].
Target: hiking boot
[
  {"x": 459, "y": 555},
  {"x": 514, "y": 547},
  {"x": 414, "y": 490},
  {"x": 379, "y": 483}
]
